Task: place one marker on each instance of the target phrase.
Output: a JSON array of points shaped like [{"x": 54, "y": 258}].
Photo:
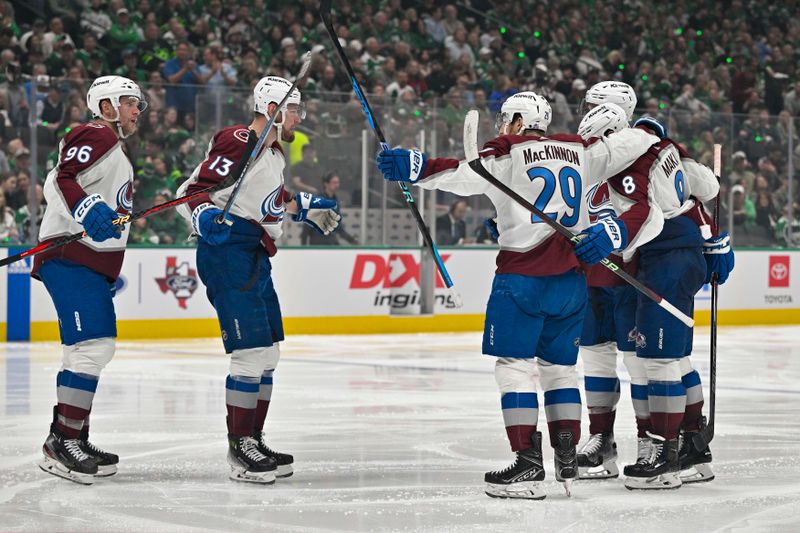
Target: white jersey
[
  {"x": 261, "y": 198},
  {"x": 91, "y": 160},
  {"x": 553, "y": 173},
  {"x": 664, "y": 183}
]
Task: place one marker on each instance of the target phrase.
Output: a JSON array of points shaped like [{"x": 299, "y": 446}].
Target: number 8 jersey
[
  {"x": 91, "y": 160},
  {"x": 552, "y": 172}
]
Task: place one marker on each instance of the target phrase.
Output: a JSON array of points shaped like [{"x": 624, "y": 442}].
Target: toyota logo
[{"x": 778, "y": 271}]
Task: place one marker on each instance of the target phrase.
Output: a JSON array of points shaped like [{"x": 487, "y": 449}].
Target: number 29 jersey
[{"x": 553, "y": 173}]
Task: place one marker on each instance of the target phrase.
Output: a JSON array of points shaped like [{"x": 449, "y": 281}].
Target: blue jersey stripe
[
  {"x": 513, "y": 400},
  {"x": 665, "y": 388},
  {"x": 75, "y": 381},
  {"x": 638, "y": 392},
  {"x": 597, "y": 384},
  {"x": 243, "y": 386},
  {"x": 692, "y": 379},
  {"x": 562, "y": 396}
]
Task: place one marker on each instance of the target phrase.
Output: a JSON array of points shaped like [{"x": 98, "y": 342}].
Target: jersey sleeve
[
  {"x": 702, "y": 182},
  {"x": 224, "y": 152},
  {"x": 457, "y": 177},
  {"x": 608, "y": 156},
  {"x": 634, "y": 186},
  {"x": 80, "y": 152}
]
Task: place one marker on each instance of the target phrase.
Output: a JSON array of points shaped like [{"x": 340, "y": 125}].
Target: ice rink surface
[{"x": 389, "y": 433}]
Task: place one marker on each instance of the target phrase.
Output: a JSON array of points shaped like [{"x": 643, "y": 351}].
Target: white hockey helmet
[
  {"x": 615, "y": 92},
  {"x": 601, "y": 119},
  {"x": 112, "y": 88},
  {"x": 272, "y": 89},
  {"x": 534, "y": 109}
]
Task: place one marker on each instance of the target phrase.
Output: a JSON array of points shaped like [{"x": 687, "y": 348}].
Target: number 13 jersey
[{"x": 553, "y": 173}]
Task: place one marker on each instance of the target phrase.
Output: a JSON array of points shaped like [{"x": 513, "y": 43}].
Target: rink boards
[{"x": 355, "y": 290}]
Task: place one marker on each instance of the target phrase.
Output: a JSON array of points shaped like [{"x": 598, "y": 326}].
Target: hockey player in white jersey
[
  {"x": 657, "y": 201},
  {"x": 610, "y": 315},
  {"x": 538, "y": 297},
  {"x": 89, "y": 188},
  {"x": 233, "y": 263}
]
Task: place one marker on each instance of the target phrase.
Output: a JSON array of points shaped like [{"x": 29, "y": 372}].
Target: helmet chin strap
[{"x": 279, "y": 125}]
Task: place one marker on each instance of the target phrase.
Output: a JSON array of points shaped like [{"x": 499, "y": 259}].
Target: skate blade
[
  {"x": 262, "y": 478},
  {"x": 53, "y": 467},
  {"x": 568, "y": 487},
  {"x": 106, "y": 470},
  {"x": 284, "y": 471},
  {"x": 608, "y": 470},
  {"x": 700, "y": 473},
  {"x": 668, "y": 481},
  {"x": 526, "y": 490}
]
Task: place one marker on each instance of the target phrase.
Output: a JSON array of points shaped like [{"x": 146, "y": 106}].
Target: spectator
[
  {"x": 53, "y": 39},
  {"x": 23, "y": 217},
  {"x": 141, "y": 233},
  {"x": 451, "y": 228},
  {"x": 791, "y": 101},
  {"x": 308, "y": 170},
  {"x": 124, "y": 33},
  {"x": 129, "y": 68},
  {"x": 95, "y": 19},
  {"x": 8, "y": 225},
  {"x": 168, "y": 225},
  {"x": 216, "y": 74},
  {"x": 330, "y": 186},
  {"x": 740, "y": 175},
  {"x": 183, "y": 77}
]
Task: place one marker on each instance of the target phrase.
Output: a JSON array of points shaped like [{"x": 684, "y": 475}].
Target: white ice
[{"x": 389, "y": 433}]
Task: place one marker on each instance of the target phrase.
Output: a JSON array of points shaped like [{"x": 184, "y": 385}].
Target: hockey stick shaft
[
  {"x": 474, "y": 161},
  {"x": 706, "y": 434},
  {"x": 325, "y": 14},
  {"x": 261, "y": 138},
  {"x": 125, "y": 219}
]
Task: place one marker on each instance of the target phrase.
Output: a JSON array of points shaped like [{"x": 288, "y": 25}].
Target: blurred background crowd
[{"x": 714, "y": 72}]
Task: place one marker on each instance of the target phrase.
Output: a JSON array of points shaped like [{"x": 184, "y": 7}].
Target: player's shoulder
[
  {"x": 99, "y": 137},
  {"x": 570, "y": 138},
  {"x": 231, "y": 140}
]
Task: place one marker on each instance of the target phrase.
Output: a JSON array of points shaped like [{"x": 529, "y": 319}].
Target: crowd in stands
[{"x": 714, "y": 72}]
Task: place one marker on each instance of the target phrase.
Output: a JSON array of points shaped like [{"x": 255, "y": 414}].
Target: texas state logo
[
  {"x": 272, "y": 207},
  {"x": 179, "y": 279},
  {"x": 125, "y": 198}
]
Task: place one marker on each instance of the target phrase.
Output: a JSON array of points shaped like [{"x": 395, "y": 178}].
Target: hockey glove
[
  {"x": 719, "y": 258},
  {"x": 400, "y": 164},
  {"x": 600, "y": 239},
  {"x": 97, "y": 218},
  {"x": 658, "y": 129},
  {"x": 491, "y": 227},
  {"x": 318, "y": 212},
  {"x": 204, "y": 223}
]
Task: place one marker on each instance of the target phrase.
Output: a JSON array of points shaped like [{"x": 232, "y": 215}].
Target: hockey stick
[
  {"x": 706, "y": 434},
  {"x": 474, "y": 162},
  {"x": 124, "y": 219},
  {"x": 325, "y": 14},
  {"x": 235, "y": 192}
]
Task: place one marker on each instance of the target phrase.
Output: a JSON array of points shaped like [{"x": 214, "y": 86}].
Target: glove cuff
[
  {"x": 199, "y": 210},
  {"x": 416, "y": 165},
  {"x": 718, "y": 245},
  {"x": 616, "y": 231},
  {"x": 83, "y": 207}
]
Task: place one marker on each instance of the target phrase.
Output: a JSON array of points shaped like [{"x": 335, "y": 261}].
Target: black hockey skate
[
  {"x": 566, "y": 459},
  {"x": 660, "y": 471},
  {"x": 695, "y": 466},
  {"x": 283, "y": 461},
  {"x": 64, "y": 457},
  {"x": 106, "y": 461},
  {"x": 520, "y": 479},
  {"x": 597, "y": 459},
  {"x": 643, "y": 453},
  {"x": 248, "y": 463}
]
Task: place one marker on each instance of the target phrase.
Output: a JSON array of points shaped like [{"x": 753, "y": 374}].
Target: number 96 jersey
[
  {"x": 553, "y": 173},
  {"x": 91, "y": 160}
]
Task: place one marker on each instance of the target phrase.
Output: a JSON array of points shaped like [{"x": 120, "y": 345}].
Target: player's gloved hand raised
[
  {"x": 97, "y": 218},
  {"x": 600, "y": 239},
  {"x": 719, "y": 257},
  {"x": 399, "y": 164},
  {"x": 204, "y": 223},
  {"x": 658, "y": 129},
  {"x": 320, "y": 213}
]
